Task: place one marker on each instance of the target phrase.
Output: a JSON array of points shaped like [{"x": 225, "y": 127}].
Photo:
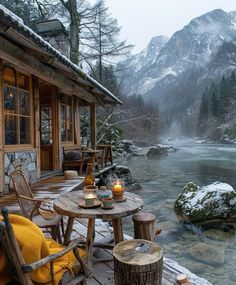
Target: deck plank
[{"x": 103, "y": 273}]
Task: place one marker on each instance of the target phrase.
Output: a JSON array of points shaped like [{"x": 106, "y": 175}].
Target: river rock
[
  {"x": 207, "y": 253},
  {"x": 218, "y": 235},
  {"x": 216, "y": 201},
  {"x": 155, "y": 151},
  {"x": 123, "y": 172}
]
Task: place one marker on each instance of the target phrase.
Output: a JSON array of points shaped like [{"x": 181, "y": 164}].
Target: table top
[{"x": 68, "y": 204}]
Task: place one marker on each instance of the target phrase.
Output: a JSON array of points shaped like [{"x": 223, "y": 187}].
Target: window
[
  {"x": 66, "y": 118},
  {"x": 46, "y": 125},
  {"x": 17, "y": 110}
]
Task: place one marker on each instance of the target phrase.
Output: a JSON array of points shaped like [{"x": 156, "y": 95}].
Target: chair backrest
[
  {"x": 12, "y": 251},
  {"x": 21, "y": 187},
  {"x": 71, "y": 148}
]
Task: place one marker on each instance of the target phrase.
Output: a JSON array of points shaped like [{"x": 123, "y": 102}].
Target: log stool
[
  {"x": 138, "y": 262},
  {"x": 70, "y": 174},
  {"x": 144, "y": 226}
]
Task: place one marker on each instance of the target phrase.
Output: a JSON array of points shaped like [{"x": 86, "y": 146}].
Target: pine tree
[
  {"x": 25, "y": 9},
  {"x": 203, "y": 113},
  {"x": 224, "y": 99},
  {"x": 104, "y": 40},
  {"x": 213, "y": 101},
  {"x": 232, "y": 83}
]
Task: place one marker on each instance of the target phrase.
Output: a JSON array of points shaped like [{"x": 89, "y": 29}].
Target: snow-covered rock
[
  {"x": 216, "y": 201},
  {"x": 159, "y": 149}
]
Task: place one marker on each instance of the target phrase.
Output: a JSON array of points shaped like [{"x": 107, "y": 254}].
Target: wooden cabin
[{"x": 41, "y": 92}]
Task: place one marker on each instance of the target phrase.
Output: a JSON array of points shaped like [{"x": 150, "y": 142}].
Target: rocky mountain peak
[{"x": 165, "y": 70}]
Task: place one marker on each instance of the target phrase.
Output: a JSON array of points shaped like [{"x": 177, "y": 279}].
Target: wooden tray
[{"x": 97, "y": 203}]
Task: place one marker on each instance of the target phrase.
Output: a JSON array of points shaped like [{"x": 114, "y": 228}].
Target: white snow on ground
[{"x": 193, "y": 278}]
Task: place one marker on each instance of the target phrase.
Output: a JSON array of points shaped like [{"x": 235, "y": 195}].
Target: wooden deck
[
  {"x": 50, "y": 187},
  {"x": 102, "y": 271}
]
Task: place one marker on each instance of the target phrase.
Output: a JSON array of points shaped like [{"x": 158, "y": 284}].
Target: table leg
[
  {"x": 89, "y": 242},
  {"x": 69, "y": 229},
  {"x": 118, "y": 231}
]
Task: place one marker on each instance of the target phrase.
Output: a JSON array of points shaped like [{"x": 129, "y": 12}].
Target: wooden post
[
  {"x": 56, "y": 145},
  {"x": 2, "y": 127},
  {"x": 93, "y": 124},
  {"x": 138, "y": 262},
  {"x": 144, "y": 226},
  {"x": 77, "y": 121},
  {"x": 37, "y": 123}
]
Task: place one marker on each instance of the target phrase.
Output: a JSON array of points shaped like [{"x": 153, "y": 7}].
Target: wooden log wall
[
  {"x": 2, "y": 152},
  {"x": 23, "y": 60}
]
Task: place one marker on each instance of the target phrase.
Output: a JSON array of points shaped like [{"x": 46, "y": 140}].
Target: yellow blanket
[{"x": 35, "y": 246}]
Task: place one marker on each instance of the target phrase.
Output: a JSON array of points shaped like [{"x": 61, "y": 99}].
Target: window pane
[
  {"x": 10, "y": 100},
  {"x": 16, "y": 107},
  {"x": 24, "y": 103},
  {"x": 46, "y": 125},
  {"x": 9, "y": 76},
  {"x": 10, "y": 129},
  {"x": 23, "y": 81},
  {"x": 66, "y": 118},
  {"x": 24, "y": 130},
  {"x": 69, "y": 132}
]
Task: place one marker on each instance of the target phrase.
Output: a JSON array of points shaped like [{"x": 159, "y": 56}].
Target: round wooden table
[{"x": 68, "y": 205}]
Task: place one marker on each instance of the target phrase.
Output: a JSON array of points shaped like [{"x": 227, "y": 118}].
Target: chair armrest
[
  {"x": 37, "y": 204},
  {"x": 34, "y": 265},
  {"x": 32, "y": 199}
]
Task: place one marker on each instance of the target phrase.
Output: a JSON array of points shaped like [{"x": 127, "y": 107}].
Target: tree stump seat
[
  {"x": 138, "y": 262},
  {"x": 144, "y": 226}
]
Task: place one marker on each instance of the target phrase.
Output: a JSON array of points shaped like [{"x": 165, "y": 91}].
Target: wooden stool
[
  {"x": 70, "y": 174},
  {"x": 138, "y": 262},
  {"x": 144, "y": 226}
]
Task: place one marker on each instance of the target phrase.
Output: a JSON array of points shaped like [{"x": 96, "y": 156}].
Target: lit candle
[
  {"x": 89, "y": 199},
  {"x": 117, "y": 187}
]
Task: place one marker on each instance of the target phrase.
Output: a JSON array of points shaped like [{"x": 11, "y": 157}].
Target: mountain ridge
[{"x": 184, "y": 62}]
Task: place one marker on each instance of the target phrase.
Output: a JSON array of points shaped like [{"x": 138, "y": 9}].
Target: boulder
[
  {"x": 123, "y": 172},
  {"x": 210, "y": 254},
  {"x": 155, "y": 151},
  {"x": 215, "y": 202}
]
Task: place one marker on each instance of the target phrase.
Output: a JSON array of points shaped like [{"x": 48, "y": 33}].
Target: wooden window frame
[
  {"x": 28, "y": 146},
  {"x": 72, "y": 119}
]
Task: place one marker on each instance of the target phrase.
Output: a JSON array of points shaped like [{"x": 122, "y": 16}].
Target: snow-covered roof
[{"x": 13, "y": 21}]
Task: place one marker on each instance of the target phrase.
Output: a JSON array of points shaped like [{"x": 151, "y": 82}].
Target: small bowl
[{"x": 107, "y": 203}]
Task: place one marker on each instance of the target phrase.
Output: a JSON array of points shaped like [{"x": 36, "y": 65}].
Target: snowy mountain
[{"x": 178, "y": 72}]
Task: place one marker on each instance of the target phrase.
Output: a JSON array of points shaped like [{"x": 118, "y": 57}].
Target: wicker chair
[
  {"x": 30, "y": 206},
  {"x": 19, "y": 270}
]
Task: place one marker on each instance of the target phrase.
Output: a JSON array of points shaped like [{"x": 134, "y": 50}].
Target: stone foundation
[{"x": 26, "y": 161}]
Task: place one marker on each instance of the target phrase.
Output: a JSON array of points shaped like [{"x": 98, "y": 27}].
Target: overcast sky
[{"x": 143, "y": 19}]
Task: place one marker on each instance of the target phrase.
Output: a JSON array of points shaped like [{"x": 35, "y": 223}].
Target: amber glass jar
[{"x": 89, "y": 178}]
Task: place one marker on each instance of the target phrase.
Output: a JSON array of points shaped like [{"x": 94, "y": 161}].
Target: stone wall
[{"x": 26, "y": 161}]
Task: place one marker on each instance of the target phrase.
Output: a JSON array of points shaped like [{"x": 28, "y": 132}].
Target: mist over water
[{"x": 162, "y": 179}]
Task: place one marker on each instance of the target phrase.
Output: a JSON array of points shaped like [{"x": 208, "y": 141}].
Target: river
[{"x": 162, "y": 179}]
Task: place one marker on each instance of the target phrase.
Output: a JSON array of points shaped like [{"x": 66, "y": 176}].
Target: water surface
[{"x": 162, "y": 179}]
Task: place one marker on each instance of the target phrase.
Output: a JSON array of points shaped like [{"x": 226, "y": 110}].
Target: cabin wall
[
  {"x": 27, "y": 158},
  {"x": 24, "y": 160}
]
